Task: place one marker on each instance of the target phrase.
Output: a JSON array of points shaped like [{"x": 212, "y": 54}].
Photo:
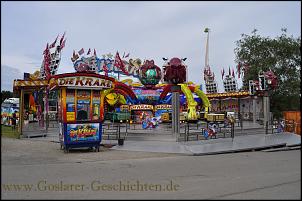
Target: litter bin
[{"x": 120, "y": 142}]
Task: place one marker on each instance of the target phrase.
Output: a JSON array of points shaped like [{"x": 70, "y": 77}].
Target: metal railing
[{"x": 114, "y": 131}]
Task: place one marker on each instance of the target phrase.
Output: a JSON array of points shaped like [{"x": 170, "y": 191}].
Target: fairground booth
[{"x": 80, "y": 107}]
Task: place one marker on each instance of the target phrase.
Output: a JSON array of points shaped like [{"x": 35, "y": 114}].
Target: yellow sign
[
  {"x": 124, "y": 107},
  {"x": 141, "y": 107},
  {"x": 70, "y": 116},
  {"x": 85, "y": 82}
]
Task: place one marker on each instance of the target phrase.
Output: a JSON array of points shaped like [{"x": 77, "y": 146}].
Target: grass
[{"x": 6, "y": 131}]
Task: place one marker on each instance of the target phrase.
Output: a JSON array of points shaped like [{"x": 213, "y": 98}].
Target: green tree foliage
[
  {"x": 283, "y": 56},
  {"x": 5, "y": 95}
]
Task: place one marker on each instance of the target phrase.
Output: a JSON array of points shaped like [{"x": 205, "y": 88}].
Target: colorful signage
[
  {"x": 163, "y": 107},
  {"x": 83, "y": 132},
  {"x": 96, "y": 97},
  {"x": 85, "y": 82},
  {"x": 147, "y": 96},
  {"x": 124, "y": 107},
  {"x": 70, "y": 116},
  {"x": 83, "y": 94},
  {"x": 70, "y": 96},
  {"x": 141, "y": 107},
  {"x": 96, "y": 64},
  {"x": 146, "y": 92}
]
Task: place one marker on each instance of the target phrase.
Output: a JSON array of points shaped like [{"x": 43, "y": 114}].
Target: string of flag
[{"x": 47, "y": 57}]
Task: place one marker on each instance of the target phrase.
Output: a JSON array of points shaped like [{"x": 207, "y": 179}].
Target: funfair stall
[{"x": 80, "y": 108}]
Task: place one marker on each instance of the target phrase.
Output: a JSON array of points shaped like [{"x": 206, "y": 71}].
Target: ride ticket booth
[{"x": 81, "y": 108}]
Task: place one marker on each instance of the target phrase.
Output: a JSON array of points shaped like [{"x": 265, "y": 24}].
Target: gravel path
[{"x": 24, "y": 151}]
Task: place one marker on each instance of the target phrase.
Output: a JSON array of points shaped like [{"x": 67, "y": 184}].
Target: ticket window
[
  {"x": 70, "y": 104},
  {"x": 83, "y": 105},
  {"x": 96, "y": 105}
]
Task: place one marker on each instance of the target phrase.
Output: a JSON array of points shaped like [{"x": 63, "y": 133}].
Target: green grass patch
[{"x": 7, "y": 131}]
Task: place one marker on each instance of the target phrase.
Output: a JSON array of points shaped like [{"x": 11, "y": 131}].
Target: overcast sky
[{"x": 146, "y": 30}]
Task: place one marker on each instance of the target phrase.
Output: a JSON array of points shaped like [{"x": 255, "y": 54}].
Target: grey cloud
[{"x": 8, "y": 75}]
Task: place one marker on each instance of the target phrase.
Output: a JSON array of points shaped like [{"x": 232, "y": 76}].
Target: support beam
[
  {"x": 175, "y": 110},
  {"x": 254, "y": 109},
  {"x": 21, "y": 111},
  {"x": 266, "y": 108},
  {"x": 175, "y": 113}
]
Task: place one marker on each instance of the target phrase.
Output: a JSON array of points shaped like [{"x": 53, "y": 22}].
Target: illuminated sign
[
  {"x": 163, "y": 107},
  {"x": 83, "y": 132},
  {"x": 85, "y": 82},
  {"x": 141, "y": 107}
]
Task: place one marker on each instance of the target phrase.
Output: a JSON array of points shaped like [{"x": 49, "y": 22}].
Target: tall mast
[
  {"x": 207, "y": 30},
  {"x": 209, "y": 77}
]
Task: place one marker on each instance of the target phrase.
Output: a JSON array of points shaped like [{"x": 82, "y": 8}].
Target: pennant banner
[
  {"x": 54, "y": 43},
  {"x": 119, "y": 63},
  {"x": 81, "y": 51}
]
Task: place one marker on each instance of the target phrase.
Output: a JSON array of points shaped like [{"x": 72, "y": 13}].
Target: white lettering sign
[
  {"x": 163, "y": 107},
  {"x": 141, "y": 107},
  {"x": 85, "y": 82}
]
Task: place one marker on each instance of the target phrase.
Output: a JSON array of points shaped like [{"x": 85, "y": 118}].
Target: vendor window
[
  {"x": 96, "y": 105},
  {"x": 96, "y": 111},
  {"x": 83, "y": 104}
]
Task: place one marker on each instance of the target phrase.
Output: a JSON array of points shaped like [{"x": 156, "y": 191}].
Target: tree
[
  {"x": 283, "y": 56},
  {"x": 5, "y": 95}
]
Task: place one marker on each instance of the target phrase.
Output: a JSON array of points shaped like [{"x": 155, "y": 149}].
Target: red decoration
[
  {"x": 175, "y": 71},
  {"x": 119, "y": 63}
]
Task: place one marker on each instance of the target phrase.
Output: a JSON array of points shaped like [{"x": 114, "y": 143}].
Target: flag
[
  {"x": 61, "y": 40},
  {"x": 206, "y": 30},
  {"x": 47, "y": 62},
  {"x": 233, "y": 74},
  {"x": 246, "y": 67},
  {"x": 74, "y": 56},
  {"x": 94, "y": 53},
  {"x": 81, "y": 51},
  {"x": 54, "y": 43},
  {"x": 238, "y": 67},
  {"x": 105, "y": 68},
  {"x": 119, "y": 63},
  {"x": 62, "y": 45},
  {"x": 88, "y": 51},
  {"x": 124, "y": 55},
  {"x": 46, "y": 49},
  {"x": 229, "y": 71},
  {"x": 127, "y": 55}
]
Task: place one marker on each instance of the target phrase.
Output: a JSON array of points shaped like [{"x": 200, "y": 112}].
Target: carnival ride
[
  {"x": 8, "y": 107},
  {"x": 148, "y": 90}
]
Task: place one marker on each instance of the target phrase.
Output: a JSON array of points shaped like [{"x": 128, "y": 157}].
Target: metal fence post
[
  {"x": 119, "y": 131},
  {"x": 187, "y": 135},
  {"x": 232, "y": 130}
]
